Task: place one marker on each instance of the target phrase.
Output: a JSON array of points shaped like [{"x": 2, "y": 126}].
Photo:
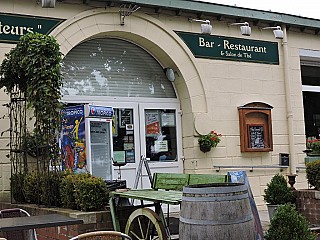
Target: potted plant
[
  {"x": 288, "y": 224},
  {"x": 277, "y": 192},
  {"x": 313, "y": 147},
  {"x": 313, "y": 174},
  {"x": 209, "y": 141},
  {"x": 307, "y": 200},
  {"x": 312, "y": 150}
]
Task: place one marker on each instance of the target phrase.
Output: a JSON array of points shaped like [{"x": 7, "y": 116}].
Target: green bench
[{"x": 176, "y": 181}]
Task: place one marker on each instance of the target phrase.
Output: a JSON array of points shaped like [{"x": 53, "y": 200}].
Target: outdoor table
[
  {"x": 166, "y": 188},
  {"x": 156, "y": 218},
  {"x": 41, "y": 221}
]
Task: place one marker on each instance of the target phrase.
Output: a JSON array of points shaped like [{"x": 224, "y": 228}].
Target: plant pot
[
  {"x": 205, "y": 148},
  {"x": 271, "y": 210},
  {"x": 313, "y": 154},
  {"x": 310, "y": 158}
]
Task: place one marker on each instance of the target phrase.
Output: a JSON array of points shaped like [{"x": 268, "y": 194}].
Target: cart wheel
[{"x": 145, "y": 224}]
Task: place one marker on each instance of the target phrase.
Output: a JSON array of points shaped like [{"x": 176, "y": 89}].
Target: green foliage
[
  {"x": 313, "y": 174},
  {"x": 76, "y": 191},
  {"x": 211, "y": 139},
  {"x": 50, "y": 188},
  {"x": 35, "y": 144},
  {"x": 288, "y": 224},
  {"x": 31, "y": 187},
  {"x": 278, "y": 191},
  {"x": 10, "y": 76},
  {"x": 40, "y": 66},
  {"x": 313, "y": 145},
  {"x": 16, "y": 182},
  {"x": 84, "y": 192},
  {"x": 43, "y": 188},
  {"x": 67, "y": 191},
  {"x": 33, "y": 67},
  {"x": 91, "y": 193}
]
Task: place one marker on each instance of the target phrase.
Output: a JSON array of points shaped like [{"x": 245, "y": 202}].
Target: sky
[{"x": 304, "y": 8}]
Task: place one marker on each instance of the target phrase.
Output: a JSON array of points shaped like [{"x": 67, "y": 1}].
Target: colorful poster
[
  {"x": 130, "y": 156},
  {"x": 241, "y": 177},
  {"x": 73, "y": 145},
  {"x": 115, "y": 124},
  {"x": 152, "y": 124}
]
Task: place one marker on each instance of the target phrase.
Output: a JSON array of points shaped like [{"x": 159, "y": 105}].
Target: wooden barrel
[{"x": 217, "y": 211}]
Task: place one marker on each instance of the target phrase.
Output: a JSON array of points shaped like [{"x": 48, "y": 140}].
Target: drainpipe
[{"x": 292, "y": 162}]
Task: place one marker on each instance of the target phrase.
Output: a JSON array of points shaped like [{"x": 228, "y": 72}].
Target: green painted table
[
  {"x": 145, "y": 219},
  {"x": 161, "y": 196},
  {"x": 167, "y": 188}
]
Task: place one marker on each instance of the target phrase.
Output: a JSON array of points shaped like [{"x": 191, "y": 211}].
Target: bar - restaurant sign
[
  {"x": 13, "y": 26},
  {"x": 228, "y": 48}
]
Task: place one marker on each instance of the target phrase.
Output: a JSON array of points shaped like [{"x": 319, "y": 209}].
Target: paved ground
[{"x": 264, "y": 219}]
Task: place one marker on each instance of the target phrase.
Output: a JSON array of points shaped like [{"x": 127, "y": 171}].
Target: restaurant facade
[{"x": 174, "y": 70}]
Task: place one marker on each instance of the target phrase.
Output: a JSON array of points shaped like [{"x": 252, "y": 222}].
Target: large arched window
[{"x": 113, "y": 67}]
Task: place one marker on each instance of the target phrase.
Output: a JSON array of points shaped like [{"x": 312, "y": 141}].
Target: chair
[
  {"x": 19, "y": 234},
  {"x": 102, "y": 235}
]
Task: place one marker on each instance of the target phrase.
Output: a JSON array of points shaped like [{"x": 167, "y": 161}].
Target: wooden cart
[{"x": 145, "y": 223}]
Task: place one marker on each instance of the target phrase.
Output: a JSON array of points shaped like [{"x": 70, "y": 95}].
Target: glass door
[
  {"x": 126, "y": 147},
  {"x": 145, "y": 130},
  {"x": 160, "y": 137}
]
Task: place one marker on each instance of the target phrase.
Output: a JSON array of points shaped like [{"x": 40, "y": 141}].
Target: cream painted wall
[
  {"x": 209, "y": 90},
  {"x": 5, "y": 167}
]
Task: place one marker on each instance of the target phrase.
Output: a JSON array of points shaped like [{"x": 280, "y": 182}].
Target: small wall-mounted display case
[{"x": 255, "y": 127}]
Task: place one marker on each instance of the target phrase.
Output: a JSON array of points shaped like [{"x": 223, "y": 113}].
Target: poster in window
[
  {"x": 161, "y": 146},
  {"x": 119, "y": 156},
  {"x": 73, "y": 145},
  {"x": 256, "y": 136},
  {"x": 114, "y": 125},
  {"x": 168, "y": 120},
  {"x": 128, "y": 146},
  {"x": 125, "y": 117},
  {"x": 152, "y": 123},
  {"x": 130, "y": 156},
  {"x": 125, "y": 139}
]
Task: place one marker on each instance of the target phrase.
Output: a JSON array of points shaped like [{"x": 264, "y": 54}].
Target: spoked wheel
[{"x": 145, "y": 224}]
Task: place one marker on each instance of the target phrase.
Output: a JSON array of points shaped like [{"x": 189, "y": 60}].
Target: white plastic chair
[{"x": 102, "y": 235}]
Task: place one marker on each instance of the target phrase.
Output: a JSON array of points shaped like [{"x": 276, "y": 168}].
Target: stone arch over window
[{"x": 150, "y": 34}]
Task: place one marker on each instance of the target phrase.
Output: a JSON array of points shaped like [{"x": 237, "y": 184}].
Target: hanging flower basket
[
  {"x": 205, "y": 148},
  {"x": 209, "y": 141}
]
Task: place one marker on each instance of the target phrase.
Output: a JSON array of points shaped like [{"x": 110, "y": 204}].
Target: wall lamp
[
  {"x": 48, "y": 3},
  {"x": 245, "y": 29},
  {"x": 278, "y": 33},
  {"x": 206, "y": 27},
  {"x": 170, "y": 74}
]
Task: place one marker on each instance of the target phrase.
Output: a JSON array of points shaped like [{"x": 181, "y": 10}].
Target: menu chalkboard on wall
[{"x": 256, "y": 136}]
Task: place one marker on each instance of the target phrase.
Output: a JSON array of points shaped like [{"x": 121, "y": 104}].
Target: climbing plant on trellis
[{"x": 30, "y": 75}]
